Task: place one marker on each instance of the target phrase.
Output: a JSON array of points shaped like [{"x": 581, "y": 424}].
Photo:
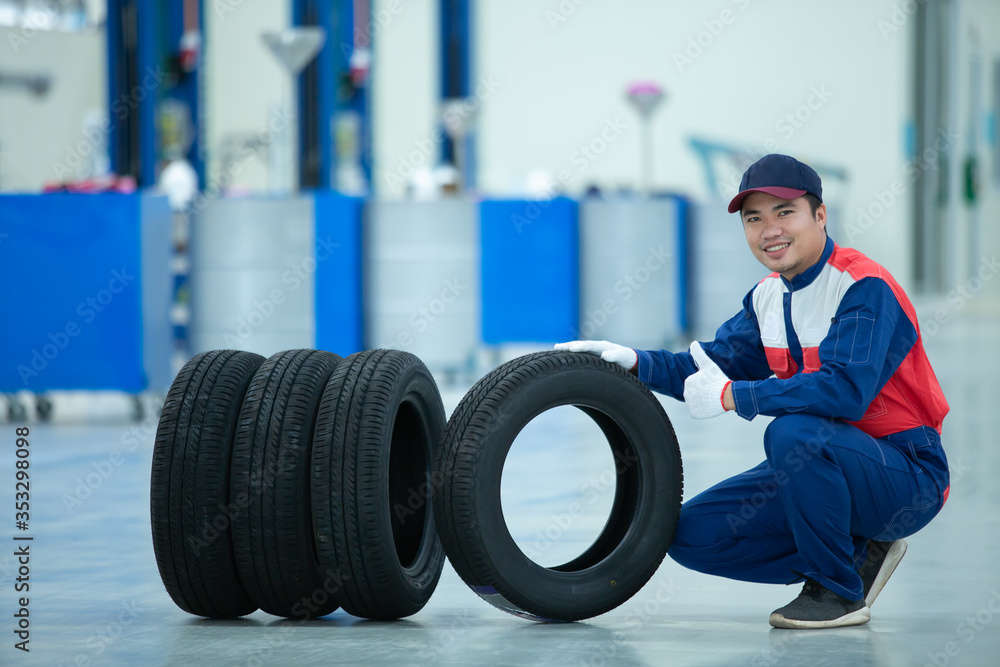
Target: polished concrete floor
[{"x": 96, "y": 598}]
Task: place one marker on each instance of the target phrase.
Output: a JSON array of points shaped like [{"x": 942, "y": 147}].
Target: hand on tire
[
  {"x": 625, "y": 357},
  {"x": 703, "y": 390}
]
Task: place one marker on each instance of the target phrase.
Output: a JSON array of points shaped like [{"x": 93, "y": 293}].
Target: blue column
[
  {"x": 118, "y": 62},
  {"x": 137, "y": 79},
  {"x": 530, "y": 271},
  {"x": 456, "y": 73},
  {"x": 188, "y": 86},
  {"x": 339, "y": 292},
  {"x": 325, "y": 88}
]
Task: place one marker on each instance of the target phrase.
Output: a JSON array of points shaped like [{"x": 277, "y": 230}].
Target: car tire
[
  {"x": 377, "y": 432},
  {"x": 272, "y": 539},
  {"x": 190, "y": 505},
  {"x": 644, "y": 511}
]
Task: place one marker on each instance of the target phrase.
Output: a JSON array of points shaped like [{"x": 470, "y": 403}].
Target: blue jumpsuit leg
[{"x": 808, "y": 510}]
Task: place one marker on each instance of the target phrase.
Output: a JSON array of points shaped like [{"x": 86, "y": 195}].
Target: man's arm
[
  {"x": 868, "y": 340},
  {"x": 737, "y": 349}
]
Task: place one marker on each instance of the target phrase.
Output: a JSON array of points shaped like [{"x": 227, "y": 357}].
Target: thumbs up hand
[{"x": 703, "y": 391}]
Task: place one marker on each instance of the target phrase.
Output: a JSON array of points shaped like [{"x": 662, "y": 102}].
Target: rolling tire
[
  {"x": 272, "y": 537},
  {"x": 377, "y": 432},
  {"x": 189, "y": 487},
  {"x": 645, "y": 509}
]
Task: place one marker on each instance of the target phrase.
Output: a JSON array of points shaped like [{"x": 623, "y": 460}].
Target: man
[{"x": 828, "y": 344}]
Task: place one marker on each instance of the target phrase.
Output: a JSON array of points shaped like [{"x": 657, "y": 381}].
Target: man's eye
[
  {"x": 753, "y": 219},
  {"x": 781, "y": 213}
]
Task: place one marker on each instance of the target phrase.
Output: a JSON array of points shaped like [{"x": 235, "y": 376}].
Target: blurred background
[{"x": 463, "y": 179}]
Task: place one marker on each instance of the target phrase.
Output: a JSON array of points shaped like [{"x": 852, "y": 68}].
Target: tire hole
[
  {"x": 409, "y": 487},
  {"x": 558, "y": 486}
]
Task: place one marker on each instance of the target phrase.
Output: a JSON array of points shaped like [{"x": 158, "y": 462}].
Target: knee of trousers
[
  {"x": 793, "y": 439},
  {"x": 700, "y": 543}
]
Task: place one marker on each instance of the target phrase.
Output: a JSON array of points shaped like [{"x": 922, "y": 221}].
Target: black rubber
[
  {"x": 272, "y": 540},
  {"x": 377, "y": 432},
  {"x": 644, "y": 511},
  {"x": 190, "y": 508}
]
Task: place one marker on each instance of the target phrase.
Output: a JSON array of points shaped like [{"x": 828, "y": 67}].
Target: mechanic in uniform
[{"x": 829, "y": 345}]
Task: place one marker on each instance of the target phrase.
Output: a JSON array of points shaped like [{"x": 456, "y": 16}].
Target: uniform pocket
[{"x": 854, "y": 338}]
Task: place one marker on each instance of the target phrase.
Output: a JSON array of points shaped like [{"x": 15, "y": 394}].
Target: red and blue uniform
[{"x": 854, "y": 451}]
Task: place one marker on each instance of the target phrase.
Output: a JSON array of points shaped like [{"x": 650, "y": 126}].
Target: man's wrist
[{"x": 727, "y": 396}]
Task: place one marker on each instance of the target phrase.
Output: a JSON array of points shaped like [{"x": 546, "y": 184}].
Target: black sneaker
[
  {"x": 882, "y": 559},
  {"x": 819, "y": 607}
]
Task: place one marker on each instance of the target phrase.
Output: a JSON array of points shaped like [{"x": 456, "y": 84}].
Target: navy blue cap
[{"x": 778, "y": 175}]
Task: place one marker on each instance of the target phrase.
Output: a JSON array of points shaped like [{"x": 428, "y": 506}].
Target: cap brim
[{"x": 780, "y": 193}]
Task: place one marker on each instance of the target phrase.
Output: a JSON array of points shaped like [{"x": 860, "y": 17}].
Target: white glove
[
  {"x": 703, "y": 390},
  {"x": 616, "y": 354}
]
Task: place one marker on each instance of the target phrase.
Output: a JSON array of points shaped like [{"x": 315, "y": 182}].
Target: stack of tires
[
  {"x": 274, "y": 482},
  {"x": 306, "y": 482}
]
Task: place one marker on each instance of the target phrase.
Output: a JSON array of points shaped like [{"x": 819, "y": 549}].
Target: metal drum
[
  {"x": 422, "y": 281},
  {"x": 631, "y": 281},
  {"x": 252, "y": 275}
]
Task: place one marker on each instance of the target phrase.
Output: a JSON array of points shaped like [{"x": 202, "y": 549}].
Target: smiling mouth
[{"x": 777, "y": 248}]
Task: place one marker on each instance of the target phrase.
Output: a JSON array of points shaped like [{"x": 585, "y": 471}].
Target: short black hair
[{"x": 814, "y": 202}]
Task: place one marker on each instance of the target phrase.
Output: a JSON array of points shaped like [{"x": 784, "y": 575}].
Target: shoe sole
[
  {"x": 859, "y": 617},
  {"x": 892, "y": 558}
]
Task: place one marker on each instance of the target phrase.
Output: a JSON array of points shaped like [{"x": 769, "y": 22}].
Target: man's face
[{"x": 783, "y": 234}]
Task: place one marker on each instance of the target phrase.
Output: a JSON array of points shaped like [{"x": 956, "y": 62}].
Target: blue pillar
[
  {"x": 456, "y": 73},
  {"x": 142, "y": 38},
  {"x": 188, "y": 85},
  {"x": 121, "y": 139},
  {"x": 326, "y": 90}
]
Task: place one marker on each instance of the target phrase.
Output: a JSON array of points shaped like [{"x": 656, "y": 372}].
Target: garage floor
[{"x": 96, "y": 597}]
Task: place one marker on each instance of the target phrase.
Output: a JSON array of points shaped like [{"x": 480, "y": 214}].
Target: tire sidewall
[
  {"x": 599, "y": 588},
  {"x": 416, "y": 386}
]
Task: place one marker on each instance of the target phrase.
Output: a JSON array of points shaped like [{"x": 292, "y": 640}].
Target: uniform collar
[{"x": 806, "y": 278}]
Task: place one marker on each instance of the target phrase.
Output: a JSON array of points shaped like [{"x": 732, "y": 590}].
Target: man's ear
[{"x": 821, "y": 216}]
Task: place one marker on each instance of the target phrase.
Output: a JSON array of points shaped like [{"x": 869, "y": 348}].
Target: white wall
[
  {"x": 404, "y": 91},
  {"x": 977, "y": 33},
  {"x": 562, "y": 77},
  {"x": 242, "y": 80},
  {"x": 42, "y": 138}
]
